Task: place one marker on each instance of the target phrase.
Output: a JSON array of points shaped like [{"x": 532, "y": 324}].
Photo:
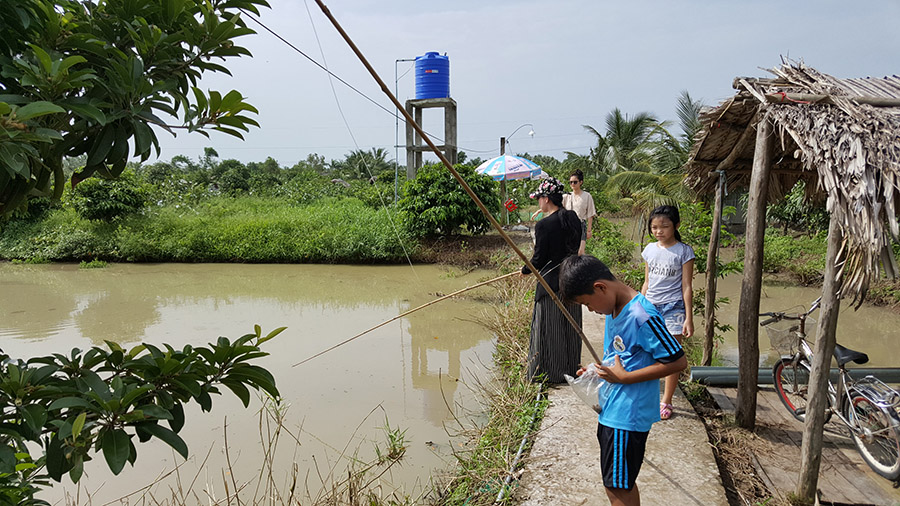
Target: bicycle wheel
[
  {"x": 792, "y": 385},
  {"x": 875, "y": 433}
]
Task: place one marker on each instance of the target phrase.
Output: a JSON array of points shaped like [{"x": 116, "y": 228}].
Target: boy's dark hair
[
  {"x": 670, "y": 212},
  {"x": 577, "y": 173},
  {"x": 577, "y": 275}
]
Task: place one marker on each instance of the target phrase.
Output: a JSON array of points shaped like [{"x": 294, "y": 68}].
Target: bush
[
  {"x": 102, "y": 199},
  {"x": 609, "y": 245},
  {"x": 435, "y": 205}
]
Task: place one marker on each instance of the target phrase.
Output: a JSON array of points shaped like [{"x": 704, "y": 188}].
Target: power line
[{"x": 345, "y": 83}]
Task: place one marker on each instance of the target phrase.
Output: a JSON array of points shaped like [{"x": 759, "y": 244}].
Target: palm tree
[
  {"x": 654, "y": 176},
  {"x": 361, "y": 164},
  {"x": 626, "y": 145}
]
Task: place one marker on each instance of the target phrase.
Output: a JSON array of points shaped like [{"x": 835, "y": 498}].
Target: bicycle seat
[{"x": 844, "y": 355}]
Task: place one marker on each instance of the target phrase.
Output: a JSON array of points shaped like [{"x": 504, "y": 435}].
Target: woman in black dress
[{"x": 555, "y": 346}]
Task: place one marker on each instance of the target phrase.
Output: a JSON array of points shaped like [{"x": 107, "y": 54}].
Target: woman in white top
[{"x": 582, "y": 203}]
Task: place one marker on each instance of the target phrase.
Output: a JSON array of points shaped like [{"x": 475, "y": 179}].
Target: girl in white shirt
[{"x": 667, "y": 284}]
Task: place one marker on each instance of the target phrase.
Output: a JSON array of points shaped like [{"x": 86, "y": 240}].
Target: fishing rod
[
  {"x": 382, "y": 324},
  {"x": 458, "y": 178}
]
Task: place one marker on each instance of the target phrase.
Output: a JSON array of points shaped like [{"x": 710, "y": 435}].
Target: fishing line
[
  {"x": 401, "y": 315},
  {"x": 365, "y": 160},
  {"x": 460, "y": 180}
]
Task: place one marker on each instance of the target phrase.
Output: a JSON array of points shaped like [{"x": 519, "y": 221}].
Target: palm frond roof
[{"x": 842, "y": 136}]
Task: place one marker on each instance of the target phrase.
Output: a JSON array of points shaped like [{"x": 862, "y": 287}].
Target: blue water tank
[{"x": 432, "y": 76}]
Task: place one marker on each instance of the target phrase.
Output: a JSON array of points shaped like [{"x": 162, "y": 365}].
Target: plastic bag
[{"x": 590, "y": 388}]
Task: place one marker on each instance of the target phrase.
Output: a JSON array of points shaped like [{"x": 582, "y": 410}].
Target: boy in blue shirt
[{"x": 643, "y": 351}]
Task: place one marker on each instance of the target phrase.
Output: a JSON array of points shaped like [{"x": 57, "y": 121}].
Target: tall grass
[
  {"x": 512, "y": 406},
  {"x": 270, "y": 230}
]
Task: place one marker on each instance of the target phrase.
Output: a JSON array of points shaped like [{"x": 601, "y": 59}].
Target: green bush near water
[{"x": 219, "y": 230}]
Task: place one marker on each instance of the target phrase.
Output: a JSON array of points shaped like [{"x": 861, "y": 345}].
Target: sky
[{"x": 557, "y": 65}]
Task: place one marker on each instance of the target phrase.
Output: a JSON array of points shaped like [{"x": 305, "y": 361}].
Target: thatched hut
[
  {"x": 838, "y": 135},
  {"x": 842, "y": 136}
]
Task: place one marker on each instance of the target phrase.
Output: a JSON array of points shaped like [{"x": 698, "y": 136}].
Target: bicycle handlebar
[{"x": 770, "y": 320}]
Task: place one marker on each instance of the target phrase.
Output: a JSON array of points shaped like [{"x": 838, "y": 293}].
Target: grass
[
  {"x": 264, "y": 230},
  {"x": 360, "y": 482},
  {"x": 513, "y": 408}
]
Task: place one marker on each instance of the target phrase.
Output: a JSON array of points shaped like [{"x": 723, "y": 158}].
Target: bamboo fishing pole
[
  {"x": 382, "y": 324},
  {"x": 462, "y": 182}
]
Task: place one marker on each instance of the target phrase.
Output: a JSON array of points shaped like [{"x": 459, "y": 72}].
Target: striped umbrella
[{"x": 506, "y": 167}]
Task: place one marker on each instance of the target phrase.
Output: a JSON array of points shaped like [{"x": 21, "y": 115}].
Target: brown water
[
  {"x": 407, "y": 372},
  {"x": 873, "y": 330}
]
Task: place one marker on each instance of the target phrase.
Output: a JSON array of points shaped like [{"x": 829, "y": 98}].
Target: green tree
[
  {"x": 626, "y": 145},
  {"x": 82, "y": 77},
  {"x": 361, "y": 164},
  {"x": 75, "y": 406},
  {"x": 434, "y": 204}
]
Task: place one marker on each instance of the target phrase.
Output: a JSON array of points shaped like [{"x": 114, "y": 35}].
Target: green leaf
[
  {"x": 239, "y": 390},
  {"x": 115, "y": 449},
  {"x": 103, "y": 143},
  {"x": 70, "y": 402},
  {"x": 35, "y": 109},
  {"x": 87, "y": 111},
  {"x": 130, "y": 397},
  {"x": 42, "y": 57},
  {"x": 7, "y": 459},
  {"x": 56, "y": 459},
  {"x": 69, "y": 61},
  {"x": 78, "y": 424},
  {"x": 77, "y": 469},
  {"x": 154, "y": 411},
  {"x": 96, "y": 384},
  {"x": 169, "y": 437},
  {"x": 35, "y": 416},
  {"x": 272, "y": 334},
  {"x": 177, "y": 421}
]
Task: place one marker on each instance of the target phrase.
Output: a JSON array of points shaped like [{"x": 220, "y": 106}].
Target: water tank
[{"x": 432, "y": 76}]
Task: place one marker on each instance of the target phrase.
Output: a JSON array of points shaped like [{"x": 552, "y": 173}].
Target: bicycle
[{"x": 868, "y": 407}]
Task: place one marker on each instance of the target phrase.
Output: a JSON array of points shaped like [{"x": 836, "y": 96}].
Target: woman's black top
[{"x": 555, "y": 237}]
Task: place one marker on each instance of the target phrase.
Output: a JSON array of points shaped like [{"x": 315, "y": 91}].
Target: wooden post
[
  {"x": 712, "y": 255},
  {"x": 503, "y": 197},
  {"x": 811, "y": 448},
  {"x": 748, "y": 314}
]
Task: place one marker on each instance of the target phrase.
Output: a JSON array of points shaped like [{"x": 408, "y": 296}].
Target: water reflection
[{"x": 408, "y": 371}]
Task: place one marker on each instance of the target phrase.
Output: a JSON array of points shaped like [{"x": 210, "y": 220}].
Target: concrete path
[{"x": 564, "y": 465}]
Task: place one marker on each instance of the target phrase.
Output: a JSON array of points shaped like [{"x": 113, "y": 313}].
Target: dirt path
[{"x": 564, "y": 468}]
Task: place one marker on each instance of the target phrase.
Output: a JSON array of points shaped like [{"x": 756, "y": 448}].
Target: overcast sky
[{"x": 556, "y": 64}]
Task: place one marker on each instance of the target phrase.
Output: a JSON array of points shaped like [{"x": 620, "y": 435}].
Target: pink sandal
[{"x": 665, "y": 410}]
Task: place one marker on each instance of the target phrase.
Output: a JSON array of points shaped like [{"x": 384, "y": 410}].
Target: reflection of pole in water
[{"x": 436, "y": 394}]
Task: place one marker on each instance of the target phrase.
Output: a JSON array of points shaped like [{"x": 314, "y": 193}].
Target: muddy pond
[{"x": 414, "y": 374}]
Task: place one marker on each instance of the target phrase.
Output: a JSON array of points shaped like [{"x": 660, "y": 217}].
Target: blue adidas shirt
[{"x": 639, "y": 337}]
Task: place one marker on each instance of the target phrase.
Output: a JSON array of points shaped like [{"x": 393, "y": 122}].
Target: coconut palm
[
  {"x": 656, "y": 178},
  {"x": 626, "y": 145}
]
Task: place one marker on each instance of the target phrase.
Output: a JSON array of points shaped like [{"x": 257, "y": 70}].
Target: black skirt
[{"x": 555, "y": 347}]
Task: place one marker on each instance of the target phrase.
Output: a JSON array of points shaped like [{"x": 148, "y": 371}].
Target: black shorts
[{"x": 621, "y": 456}]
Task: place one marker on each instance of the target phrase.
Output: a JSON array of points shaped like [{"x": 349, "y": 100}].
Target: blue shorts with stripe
[{"x": 621, "y": 456}]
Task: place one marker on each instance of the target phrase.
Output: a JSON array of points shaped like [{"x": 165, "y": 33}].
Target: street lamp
[{"x": 503, "y": 141}]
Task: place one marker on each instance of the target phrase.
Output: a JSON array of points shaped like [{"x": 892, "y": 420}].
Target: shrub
[
  {"x": 102, "y": 199},
  {"x": 609, "y": 245},
  {"x": 435, "y": 205}
]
